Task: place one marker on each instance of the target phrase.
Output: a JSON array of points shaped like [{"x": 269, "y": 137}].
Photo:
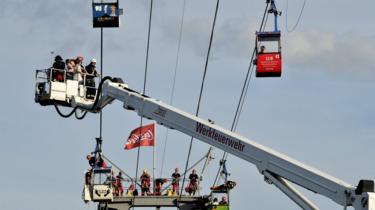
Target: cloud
[
  {"x": 303, "y": 46},
  {"x": 326, "y": 52},
  {"x": 195, "y": 34},
  {"x": 39, "y": 13},
  {"x": 233, "y": 37},
  {"x": 65, "y": 25},
  {"x": 330, "y": 52}
]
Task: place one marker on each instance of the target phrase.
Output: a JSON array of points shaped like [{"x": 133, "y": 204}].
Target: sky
[{"x": 319, "y": 112}]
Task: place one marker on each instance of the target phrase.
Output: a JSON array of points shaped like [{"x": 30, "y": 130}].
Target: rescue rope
[
  {"x": 201, "y": 90},
  {"x": 243, "y": 91},
  {"x": 171, "y": 99}
]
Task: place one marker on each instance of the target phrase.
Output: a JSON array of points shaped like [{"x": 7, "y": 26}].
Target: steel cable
[
  {"x": 243, "y": 91},
  {"x": 144, "y": 83},
  {"x": 298, "y": 19},
  {"x": 201, "y": 89},
  {"x": 174, "y": 83}
]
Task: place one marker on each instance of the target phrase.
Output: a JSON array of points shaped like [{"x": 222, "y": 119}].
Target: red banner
[{"x": 141, "y": 136}]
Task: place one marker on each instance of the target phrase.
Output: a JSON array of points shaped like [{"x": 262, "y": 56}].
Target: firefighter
[
  {"x": 58, "y": 69},
  {"x": 118, "y": 183},
  {"x": 91, "y": 73},
  {"x": 176, "y": 181},
  {"x": 193, "y": 185},
  {"x": 145, "y": 183},
  {"x": 158, "y": 185},
  {"x": 228, "y": 185}
]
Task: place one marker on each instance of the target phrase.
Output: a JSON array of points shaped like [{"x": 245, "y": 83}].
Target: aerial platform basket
[{"x": 59, "y": 87}]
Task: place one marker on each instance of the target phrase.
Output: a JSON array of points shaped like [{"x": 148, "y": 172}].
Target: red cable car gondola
[{"x": 268, "y": 61}]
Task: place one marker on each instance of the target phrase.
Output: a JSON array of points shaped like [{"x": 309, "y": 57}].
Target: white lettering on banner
[{"x": 134, "y": 138}]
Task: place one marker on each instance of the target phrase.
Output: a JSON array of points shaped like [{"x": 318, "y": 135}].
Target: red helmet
[{"x": 79, "y": 58}]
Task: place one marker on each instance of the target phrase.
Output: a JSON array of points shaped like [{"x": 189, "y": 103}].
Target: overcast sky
[{"x": 321, "y": 111}]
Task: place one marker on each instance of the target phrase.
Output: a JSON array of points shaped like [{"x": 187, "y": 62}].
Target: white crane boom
[{"x": 276, "y": 167}]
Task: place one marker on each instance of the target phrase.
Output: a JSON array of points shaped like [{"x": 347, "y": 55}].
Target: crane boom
[{"x": 268, "y": 161}]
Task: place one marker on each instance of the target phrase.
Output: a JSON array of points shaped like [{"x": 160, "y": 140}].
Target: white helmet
[{"x": 93, "y": 60}]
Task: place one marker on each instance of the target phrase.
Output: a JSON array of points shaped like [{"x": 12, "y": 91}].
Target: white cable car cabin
[
  {"x": 268, "y": 61},
  {"x": 98, "y": 186},
  {"x": 59, "y": 87}
]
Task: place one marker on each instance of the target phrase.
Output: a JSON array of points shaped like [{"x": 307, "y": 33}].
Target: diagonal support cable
[
  {"x": 202, "y": 86},
  {"x": 243, "y": 91}
]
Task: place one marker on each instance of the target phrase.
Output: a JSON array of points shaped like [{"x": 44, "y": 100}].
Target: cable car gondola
[
  {"x": 268, "y": 62},
  {"x": 268, "y": 49}
]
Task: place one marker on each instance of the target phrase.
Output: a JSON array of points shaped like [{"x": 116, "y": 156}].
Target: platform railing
[
  {"x": 127, "y": 182},
  {"x": 44, "y": 77}
]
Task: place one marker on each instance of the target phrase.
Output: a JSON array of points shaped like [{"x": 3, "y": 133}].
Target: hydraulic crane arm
[{"x": 270, "y": 163}]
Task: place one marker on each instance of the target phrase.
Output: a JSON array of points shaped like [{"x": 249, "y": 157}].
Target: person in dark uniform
[
  {"x": 91, "y": 159},
  {"x": 59, "y": 63},
  {"x": 193, "y": 185},
  {"x": 91, "y": 73},
  {"x": 96, "y": 162},
  {"x": 225, "y": 187},
  {"x": 176, "y": 181},
  {"x": 58, "y": 69},
  {"x": 118, "y": 183},
  {"x": 158, "y": 185}
]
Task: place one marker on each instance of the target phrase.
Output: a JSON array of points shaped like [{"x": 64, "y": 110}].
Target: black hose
[
  {"x": 92, "y": 109},
  {"x": 98, "y": 93},
  {"x": 80, "y": 117},
  {"x": 63, "y": 115}
]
